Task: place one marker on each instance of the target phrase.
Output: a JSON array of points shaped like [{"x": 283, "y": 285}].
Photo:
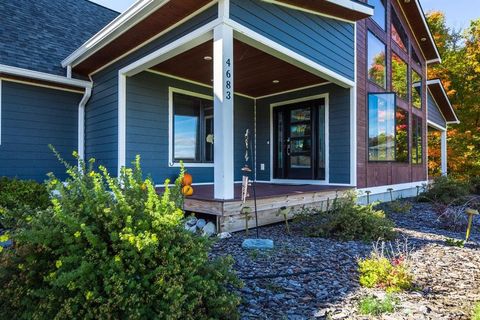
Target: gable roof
[
  {"x": 37, "y": 35},
  {"x": 441, "y": 98}
]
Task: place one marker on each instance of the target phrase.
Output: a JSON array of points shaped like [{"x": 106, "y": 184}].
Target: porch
[{"x": 270, "y": 198}]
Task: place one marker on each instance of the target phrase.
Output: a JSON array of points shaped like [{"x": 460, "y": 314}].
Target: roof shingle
[{"x": 38, "y": 35}]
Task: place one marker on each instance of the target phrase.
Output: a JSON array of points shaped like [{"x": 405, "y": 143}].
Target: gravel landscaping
[{"x": 315, "y": 278}]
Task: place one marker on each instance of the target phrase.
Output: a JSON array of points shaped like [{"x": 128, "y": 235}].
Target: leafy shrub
[
  {"x": 16, "y": 194},
  {"x": 349, "y": 221},
  {"x": 393, "y": 276},
  {"x": 112, "y": 248},
  {"x": 376, "y": 307},
  {"x": 476, "y": 312},
  {"x": 455, "y": 243},
  {"x": 400, "y": 206},
  {"x": 475, "y": 185},
  {"x": 446, "y": 190}
]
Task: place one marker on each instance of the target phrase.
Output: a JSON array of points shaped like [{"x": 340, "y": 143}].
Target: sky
[{"x": 459, "y": 12}]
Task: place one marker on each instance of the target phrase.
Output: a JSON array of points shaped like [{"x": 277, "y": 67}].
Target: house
[{"x": 334, "y": 94}]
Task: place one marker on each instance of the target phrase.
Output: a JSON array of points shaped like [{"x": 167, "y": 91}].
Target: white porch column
[
  {"x": 444, "y": 154},
  {"x": 223, "y": 111}
]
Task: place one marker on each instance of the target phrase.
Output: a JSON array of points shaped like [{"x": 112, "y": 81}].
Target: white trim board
[
  {"x": 171, "y": 163},
  {"x": 395, "y": 187},
  {"x": 34, "y": 84},
  {"x": 435, "y": 126},
  {"x": 25, "y": 73},
  {"x": 324, "y": 96}
]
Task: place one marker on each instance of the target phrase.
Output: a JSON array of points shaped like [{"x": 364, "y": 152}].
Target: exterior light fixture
[
  {"x": 207, "y": 58},
  {"x": 423, "y": 39},
  {"x": 276, "y": 81}
]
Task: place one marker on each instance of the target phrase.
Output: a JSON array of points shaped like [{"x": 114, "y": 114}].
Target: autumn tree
[{"x": 460, "y": 74}]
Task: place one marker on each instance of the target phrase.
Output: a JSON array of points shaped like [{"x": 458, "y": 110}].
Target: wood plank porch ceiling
[{"x": 254, "y": 70}]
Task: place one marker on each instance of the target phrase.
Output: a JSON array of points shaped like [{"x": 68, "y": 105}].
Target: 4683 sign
[{"x": 228, "y": 79}]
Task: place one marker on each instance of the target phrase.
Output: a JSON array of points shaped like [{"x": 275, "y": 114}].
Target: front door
[{"x": 299, "y": 141}]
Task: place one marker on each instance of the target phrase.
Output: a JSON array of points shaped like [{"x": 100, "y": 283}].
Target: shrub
[
  {"x": 386, "y": 269},
  {"x": 376, "y": 307},
  {"x": 475, "y": 185},
  {"x": 16, "y": 195},
  {"x": 455, "y": 243},
  {"x": 476, "y": 312},
  {"x": 349, "y": 221},
  {"x": 446, "y": 190},
  {"x": 400, "y": 206},
  {"x": 112, "y": 248}
]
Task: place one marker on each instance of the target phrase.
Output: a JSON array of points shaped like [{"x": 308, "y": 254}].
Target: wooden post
[
  {"x": 223, "y": 112},
  {"x": 444, "y": 152}
]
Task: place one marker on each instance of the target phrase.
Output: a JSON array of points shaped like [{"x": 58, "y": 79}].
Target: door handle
[{"x": 288, "y": 147}]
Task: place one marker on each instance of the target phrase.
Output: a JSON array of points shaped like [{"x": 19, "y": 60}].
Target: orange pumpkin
[
  {"x": 187, "y": 191},
  {"x": 187, "y": 179}
]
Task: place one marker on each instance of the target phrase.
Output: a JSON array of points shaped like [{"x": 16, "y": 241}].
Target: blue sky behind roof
[{"x": 459, "y": 12}]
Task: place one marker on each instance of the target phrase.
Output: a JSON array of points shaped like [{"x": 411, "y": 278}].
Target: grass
[
  {"x": 374, "y": 306},
  {"x": 455, "y": 243},
  {"x": 476, "y": 312}
]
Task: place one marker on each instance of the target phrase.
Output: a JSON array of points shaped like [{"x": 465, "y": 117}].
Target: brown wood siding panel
[
  {"x": 163, "y": 18},
  {"x": 373, "y": 174}
]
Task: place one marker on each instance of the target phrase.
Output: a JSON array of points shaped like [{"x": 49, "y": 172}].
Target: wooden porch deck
[{"x": 270, "y": 198}]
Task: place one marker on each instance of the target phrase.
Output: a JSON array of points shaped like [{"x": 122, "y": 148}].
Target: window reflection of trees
[{"x": 399, "y": 77}]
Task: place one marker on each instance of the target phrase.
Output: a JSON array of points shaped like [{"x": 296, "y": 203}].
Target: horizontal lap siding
[
  {"x": 326, "y": 41},
  {"x": 32, "y": 118},
  {"x": 434, "y": 113},
  {"x": 339, "y": 117},
  {"x": 148, "y": 126},
  {"x": 102, "y": 109}
]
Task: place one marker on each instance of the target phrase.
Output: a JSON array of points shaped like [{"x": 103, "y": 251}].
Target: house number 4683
[{"x": 228, "y": 80}]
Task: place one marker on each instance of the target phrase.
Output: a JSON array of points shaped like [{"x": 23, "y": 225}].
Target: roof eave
[
  {"x": 135, "y": 13},
  {"x": 354, "y": 6},
  {"x": 438, "y": 82}
]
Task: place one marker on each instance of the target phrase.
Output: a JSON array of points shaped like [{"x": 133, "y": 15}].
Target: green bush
[
  {"x": 380, "y": 272},
  {"x": 476, "y": 312},
  {"x": 400, "y": 206},
  {"x": 376, "y": 307},
  {"x": 446, "y": 190},
  {"x": 16, "y": 193},
  {"x": 349, "y": 221},
  {"x": 112, "y": 248},
  {"x": 475, "y": 185}
]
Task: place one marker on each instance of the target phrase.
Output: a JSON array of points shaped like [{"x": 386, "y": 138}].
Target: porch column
[
  {"x": 444, "y": 154},
  {"x": 223, "y": 112}
]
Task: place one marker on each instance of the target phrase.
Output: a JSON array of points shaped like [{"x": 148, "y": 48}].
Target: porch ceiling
[{"x": 254, "y": 74}]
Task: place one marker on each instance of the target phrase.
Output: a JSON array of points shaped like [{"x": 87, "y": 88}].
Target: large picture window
[
  {"x": 192, "y": 129},
  {"x": 381, "y": 126},
  {"x": 377, "y": 72},
  {"x": 417, "y": 140},
  {"x": 416, "y": 90},
  {"x": 400, "y": 77},
  {"x": 399, "y": 36},
  {"x": 379, "y": 15}
]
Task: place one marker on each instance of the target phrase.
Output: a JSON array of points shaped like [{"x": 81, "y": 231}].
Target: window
[
  {"x": 399, "y": 36},
  {"x": 415, "y": 58},
  {"x": 399, "y": 77},
  {"x": 192, "y": 129},
  {"x": 401, "y": 135},
  {"x": 381, "y": 126},
  {"x": 417, "y": 140},
  {"x": 379, "y": 12},
  {"x": 376, "y": 61},
  {"x": 416, "y": 90}
]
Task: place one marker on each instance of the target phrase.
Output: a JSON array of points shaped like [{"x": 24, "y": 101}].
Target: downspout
[{"x": 81, "y": 120}]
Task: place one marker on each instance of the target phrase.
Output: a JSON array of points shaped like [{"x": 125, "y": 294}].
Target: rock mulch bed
[{"x": 314, "y": 278}]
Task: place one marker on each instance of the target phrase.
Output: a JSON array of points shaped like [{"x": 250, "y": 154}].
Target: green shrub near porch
[{"x": 112, "y": 248}]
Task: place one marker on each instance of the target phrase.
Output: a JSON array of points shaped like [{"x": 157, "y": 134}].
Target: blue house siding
[
  {"x": 32, "y": 118},
  {"x": 326, "y": 41},
  {"x": 434, "y": 114},
  {"x": 148, "y": 126},
  {"x": 339, "y": 130},
  {"x": 102, "y": 109}
]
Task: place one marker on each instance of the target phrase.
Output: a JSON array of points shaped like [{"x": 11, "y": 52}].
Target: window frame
[
  {"x": 171, "y": 133},
  {"x": 394, "y": 18},
  {"x": 369, "y": 31},
  {"x": 408, "y": 113},
  {"x": 385, "y": 16},
  {"x": 407, "y": 98},
  {"x": 394, "y": 126},
  {"x": 417, "y": 131},
  {"x": 412, "y": 89}
]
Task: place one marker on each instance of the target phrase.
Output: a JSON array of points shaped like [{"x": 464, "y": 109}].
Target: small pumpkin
[
  {"x": 187, "y": 179},
  {"x": 187, "y": 190}
]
